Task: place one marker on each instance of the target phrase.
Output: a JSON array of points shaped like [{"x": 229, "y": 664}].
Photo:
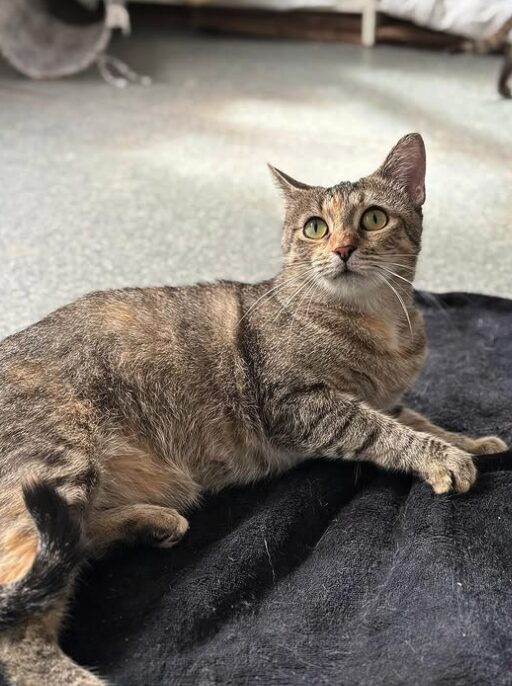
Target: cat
[
  {"x": 119, "y": 411},
  {"x": 498, "y": 41}
]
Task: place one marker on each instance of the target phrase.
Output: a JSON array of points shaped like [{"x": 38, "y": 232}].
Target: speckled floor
[{"x": 168, "y": 184}]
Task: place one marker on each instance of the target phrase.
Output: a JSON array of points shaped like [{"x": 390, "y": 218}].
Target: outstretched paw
[{"x": 452, "y": 470}]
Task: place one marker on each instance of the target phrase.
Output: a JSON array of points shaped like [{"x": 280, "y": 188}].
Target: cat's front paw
[
  {"x": 451, "y": 469},
  {"x": 488, "y": 445}
]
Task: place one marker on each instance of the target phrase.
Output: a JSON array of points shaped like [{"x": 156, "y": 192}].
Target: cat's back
[
  {"x": 117, "y": 317},
  {"x": 188, "y": 339}
]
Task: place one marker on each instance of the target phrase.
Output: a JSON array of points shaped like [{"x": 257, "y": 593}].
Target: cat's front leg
[
  {"x": 477, "y": 446},
  {"x": 316, "y": 420}
]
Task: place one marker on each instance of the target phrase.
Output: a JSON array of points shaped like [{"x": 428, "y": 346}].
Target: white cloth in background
[{"x": 469, "y": 18}]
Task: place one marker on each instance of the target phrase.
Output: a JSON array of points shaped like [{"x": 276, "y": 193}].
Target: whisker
[
  {"x": 365, "y": 260},
  {"x": 397, "y": 264},
  {"x": 287, "y": 303},
  {"x": 389, "y": 271},
  {"x": 378, "y": 260},
  {"x": 269, "y": 293},
  {"x": 308, "y": 280},
  {"x": 386, "y": 281},
  {"x": 311, "y": 289},
  {"x": 401, "y": 254},
  {"x": 433, "y": 299}
]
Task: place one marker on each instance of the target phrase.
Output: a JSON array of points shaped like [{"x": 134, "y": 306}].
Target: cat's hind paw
[
  {"x": 159, "y": 526},
  {"x": 489, "y": 445},
  {"x": 166, "y": 536}
]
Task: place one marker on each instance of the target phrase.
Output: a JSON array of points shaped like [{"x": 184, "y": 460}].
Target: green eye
[
  {"x": 374, "y": 219},
  {"x": 315, "y": 228}
]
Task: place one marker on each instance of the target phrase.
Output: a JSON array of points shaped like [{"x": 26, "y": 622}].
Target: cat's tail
[
  {"x": 59, "y": 551},
  {"x": 31, "y": 606}
]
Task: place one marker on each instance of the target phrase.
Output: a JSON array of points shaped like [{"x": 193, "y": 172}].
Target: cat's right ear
[
  {"x": 405, "y": 165},
  {"x": 288, "y": 186}
]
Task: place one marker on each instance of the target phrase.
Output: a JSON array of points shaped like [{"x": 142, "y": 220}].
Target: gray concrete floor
[{"x": 104, "y": 188}]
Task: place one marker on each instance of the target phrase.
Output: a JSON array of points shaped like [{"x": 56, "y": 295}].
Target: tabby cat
[{"x": 118, "y": 411}]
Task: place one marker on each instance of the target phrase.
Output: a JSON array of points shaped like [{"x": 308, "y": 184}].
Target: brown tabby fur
[{"x": 128, "y": 405}]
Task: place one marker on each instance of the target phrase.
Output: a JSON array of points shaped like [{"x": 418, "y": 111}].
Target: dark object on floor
[
  {"x": 505, "y": 74},
  {"x": 52, "y": 38},
  {"x": 327, "y": 575},
  {"x": 498, "y": 42}
]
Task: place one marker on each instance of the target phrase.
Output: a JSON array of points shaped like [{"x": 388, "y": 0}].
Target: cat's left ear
[
  {"x": 290, "y": 187},
  {"x": 406, "y": 165}
]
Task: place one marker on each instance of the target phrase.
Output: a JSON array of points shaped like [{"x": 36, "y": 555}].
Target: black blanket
[{"x": 333, "y": 574}]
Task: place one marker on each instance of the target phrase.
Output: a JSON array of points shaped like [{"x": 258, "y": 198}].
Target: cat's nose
[{"x": 344, "y": 251}]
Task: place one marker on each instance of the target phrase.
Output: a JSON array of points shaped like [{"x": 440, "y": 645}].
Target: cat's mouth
[
  {"x": 344, "y": 271},
  {"x": 341, "y": 276},
  {"x": 345, "y": 276}
]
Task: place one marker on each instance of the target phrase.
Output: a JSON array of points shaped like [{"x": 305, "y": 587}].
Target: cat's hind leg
[
  {"x": 139, "y": 496},
  {"x": 136, "y": 524},
  {"x": 486, "y": 445}
]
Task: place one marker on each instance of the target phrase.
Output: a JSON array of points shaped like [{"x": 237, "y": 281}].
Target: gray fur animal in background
[{"x": 119, "y": 411}]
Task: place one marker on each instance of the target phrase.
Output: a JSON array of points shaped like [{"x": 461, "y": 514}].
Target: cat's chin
[{"x": 350, "y": 287}]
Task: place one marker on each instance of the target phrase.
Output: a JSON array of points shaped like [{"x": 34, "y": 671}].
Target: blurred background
[{"x": 108, "y": 180}]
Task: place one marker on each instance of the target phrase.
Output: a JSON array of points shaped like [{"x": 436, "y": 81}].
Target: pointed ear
[
  {"x": 290, "y": 187},
  {"x": 406, "y": 165}
]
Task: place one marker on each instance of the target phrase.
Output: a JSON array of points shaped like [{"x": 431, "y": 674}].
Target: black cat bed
[
  {"x": 51, "y": 38},
  {"x": 333, "y": 574}
]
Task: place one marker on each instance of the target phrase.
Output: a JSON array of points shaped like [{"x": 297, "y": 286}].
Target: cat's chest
[{"x": 378, "y": 361}]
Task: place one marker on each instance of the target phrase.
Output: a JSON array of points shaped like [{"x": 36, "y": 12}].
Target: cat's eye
[
  {"x": 374, "y": 219},
  {"x": 315, "y": 228}
]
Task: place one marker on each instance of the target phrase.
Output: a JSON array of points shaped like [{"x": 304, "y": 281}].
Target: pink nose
[{"x": 344, "y": 251}]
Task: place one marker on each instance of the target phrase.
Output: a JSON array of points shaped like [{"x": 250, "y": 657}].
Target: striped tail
[{"x": 60, "y": 550}]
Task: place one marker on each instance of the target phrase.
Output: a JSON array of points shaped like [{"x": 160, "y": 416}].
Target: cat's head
[{"x": 348, "y": 240}]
